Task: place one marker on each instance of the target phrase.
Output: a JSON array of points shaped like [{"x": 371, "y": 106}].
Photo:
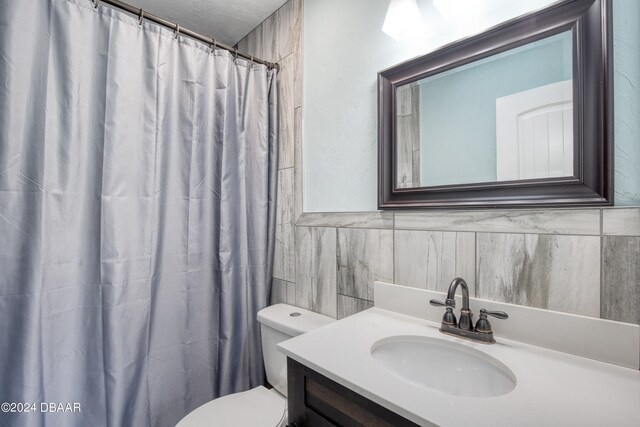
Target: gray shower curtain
[{"x": 137, "y": 206}]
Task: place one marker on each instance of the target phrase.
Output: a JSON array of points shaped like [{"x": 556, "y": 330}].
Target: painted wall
[
  {"x": 344, "y": 49},
  {"x": 458, "y": 109},
  {"x": 626, "y": 104}
]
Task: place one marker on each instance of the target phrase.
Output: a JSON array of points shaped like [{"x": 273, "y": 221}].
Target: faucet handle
[
  {"x": 449, "y": 318},
  {"x": 448, "y": 303},
  {"x": 483, "y": 325},
  {"x": 497, "y": 314}
]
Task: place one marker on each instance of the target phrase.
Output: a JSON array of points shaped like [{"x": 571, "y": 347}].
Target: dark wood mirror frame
[{"x": 592, "y": 183}]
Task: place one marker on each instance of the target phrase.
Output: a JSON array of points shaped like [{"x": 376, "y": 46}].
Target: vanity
[{"x": 391, "y": 366}]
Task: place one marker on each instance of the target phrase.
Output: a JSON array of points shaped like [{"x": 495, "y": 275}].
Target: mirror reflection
[{"x": 505, "y": 117}]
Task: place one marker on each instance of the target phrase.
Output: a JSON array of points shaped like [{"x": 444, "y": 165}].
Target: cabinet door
[{"x": 317, "y": 401}]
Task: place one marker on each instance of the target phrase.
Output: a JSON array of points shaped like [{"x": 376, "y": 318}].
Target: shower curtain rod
[{"x": 142, "y": 14}]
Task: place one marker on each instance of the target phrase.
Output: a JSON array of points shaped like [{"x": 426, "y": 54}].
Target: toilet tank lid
[{"x": 291, "y": 320}]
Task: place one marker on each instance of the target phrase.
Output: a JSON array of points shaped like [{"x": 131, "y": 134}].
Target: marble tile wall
[
  {"x": 349, "y": 305},
  {"x": 431, "y": 259},
  {"x": 348, "y": 219},
  {"x": 284, "y": 254},
  {"x": 583, "y": 221},
  {"x": 621, "y": 222},
  {"x": 282, "y": 291},
  {"x": 584, "y": 261},
  {"x": 560, "y": 273},
  {"x": 363, "y": 256},
  {"x": 621, "y": 278},
  {"x": 316, "y": 269},
  {"x": 581, "y": 261},
  {"x": 278, "y": 39}
]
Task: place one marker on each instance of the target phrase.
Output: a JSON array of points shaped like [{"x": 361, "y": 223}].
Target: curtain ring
[
  {"x": 236, "y": 54},
  {"x": 213, "y": 45},
  {"x": 141, "y": 17},
  {"x": 177, "y": 31},
  {"x": 252, "y": 60},
  {"x": 96, "y": 3}
]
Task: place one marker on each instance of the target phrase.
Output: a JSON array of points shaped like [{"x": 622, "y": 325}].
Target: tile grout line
[
  {"x": 475, "y": 263},
  {"x": 297, "y": 145},
  {"x": 601, "y": 262},
  {"x": 336, "y": 264},
  {"x": 393, "y": 247},
  {"x": 449, "y": 230},
  {"x": 334, "y": 225},
  {"x": 458, "y": 230},
  {"x": 393, "y": 225},
  {"x": 351, "y": 296}
]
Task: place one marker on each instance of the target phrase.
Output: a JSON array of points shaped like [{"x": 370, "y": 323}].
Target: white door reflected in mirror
[{"x": 534, "y": 133}]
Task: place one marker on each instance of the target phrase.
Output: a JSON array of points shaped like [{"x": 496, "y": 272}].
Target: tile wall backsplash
[
  {"x": 434, "y": 258},
  {"x": 621, "y": 278},
  {"x": 584, "y": 261},
  {"x": 316, "y": 269},
  {"x": 585, "y": 221},
  {"x": 515, "y": 257},
  {"x": 363, "y": 256},
  {"x": 560, "y": 273}
]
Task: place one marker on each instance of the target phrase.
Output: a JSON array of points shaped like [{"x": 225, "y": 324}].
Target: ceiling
[{"x": 225, "y": 20}]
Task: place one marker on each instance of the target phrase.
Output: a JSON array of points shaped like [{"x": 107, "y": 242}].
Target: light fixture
[{"x": 403, "y": 20}]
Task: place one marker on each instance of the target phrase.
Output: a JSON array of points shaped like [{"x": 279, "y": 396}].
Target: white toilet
[{"x": 261, "y": 407}]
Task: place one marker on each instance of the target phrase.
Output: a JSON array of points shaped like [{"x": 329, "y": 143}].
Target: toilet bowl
[
  {"x": 256, "y": 407},
  {"x": 261, "y": 407}
]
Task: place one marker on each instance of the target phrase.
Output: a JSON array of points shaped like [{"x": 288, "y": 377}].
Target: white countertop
[{"x": 553, "y": 388}]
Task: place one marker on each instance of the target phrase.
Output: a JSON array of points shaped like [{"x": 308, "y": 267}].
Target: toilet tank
[{"x": 278, "y": 323}]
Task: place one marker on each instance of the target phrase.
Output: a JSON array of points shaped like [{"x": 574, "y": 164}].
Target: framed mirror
[{"x": 518, "y": 116}]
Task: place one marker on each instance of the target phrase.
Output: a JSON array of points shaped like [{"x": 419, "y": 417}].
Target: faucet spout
[
  {"x": 451, "y": 294},
  {"x": 465, "y": 323}
]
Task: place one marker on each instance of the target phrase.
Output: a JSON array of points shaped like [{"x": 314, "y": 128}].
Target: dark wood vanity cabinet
[{"x": 317, "y": 401}]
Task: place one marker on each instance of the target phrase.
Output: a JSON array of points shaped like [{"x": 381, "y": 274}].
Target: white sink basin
[{"x": 443, "y": 366}]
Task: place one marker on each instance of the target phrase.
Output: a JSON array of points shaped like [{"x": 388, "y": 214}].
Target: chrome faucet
[{"x": 482, "y": 331}]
